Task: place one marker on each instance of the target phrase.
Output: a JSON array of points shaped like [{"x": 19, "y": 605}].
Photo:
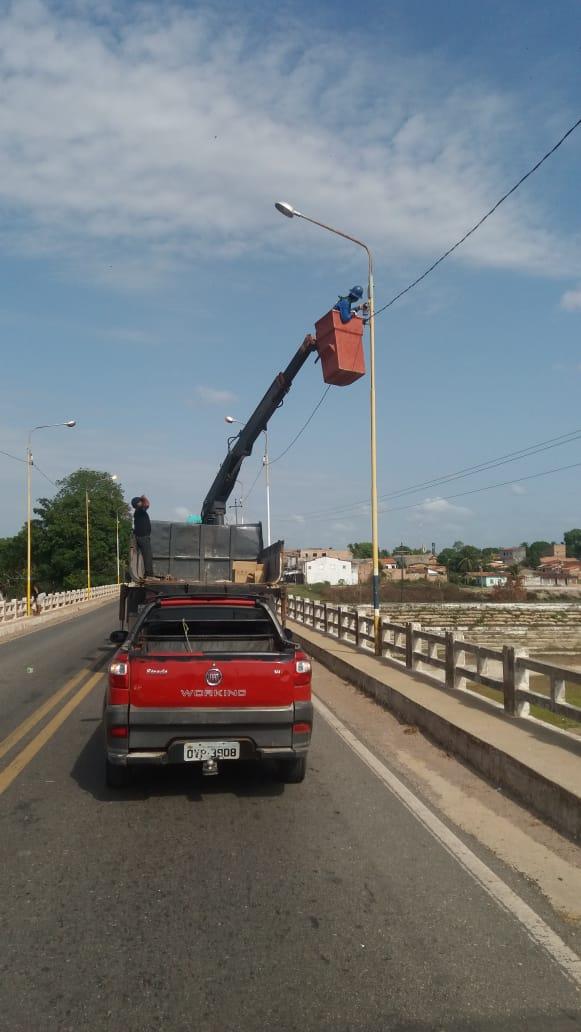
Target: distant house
[
  {"x": 305, "y": 554},
  {"x": 490, "y": 579},
  {"x": 511, "y": 556},
  {"x": 417, "y": 559},
  {"x": 327, "y": 569},
  {"x": 560, "y": 571},
  {"x": 555, "y": 552}
]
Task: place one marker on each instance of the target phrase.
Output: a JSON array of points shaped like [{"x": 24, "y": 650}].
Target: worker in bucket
[
  {"x": 345, "y": 304},
  {"x": 142, "y": 531}
]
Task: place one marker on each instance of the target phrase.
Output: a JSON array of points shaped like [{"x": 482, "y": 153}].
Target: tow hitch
[{"x": 210, "y": 767}]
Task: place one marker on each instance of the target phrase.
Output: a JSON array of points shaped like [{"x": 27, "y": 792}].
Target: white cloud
[
  {"x": 434, "y": 509},
  {"x": 181, "y": 512},
  {"x": 120, "y": 140},
  {"x": 214, "y": 396},
  {"x": 518, "y": 489},
  {"x": 571, "y": 300}
]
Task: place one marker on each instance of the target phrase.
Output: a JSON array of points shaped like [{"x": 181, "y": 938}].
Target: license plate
[{"x": 211, "y": 751}]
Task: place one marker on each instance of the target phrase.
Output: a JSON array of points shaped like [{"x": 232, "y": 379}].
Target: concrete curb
[
  {"x": 550, "y": 799},
  {"x": 28, "y": 625}
]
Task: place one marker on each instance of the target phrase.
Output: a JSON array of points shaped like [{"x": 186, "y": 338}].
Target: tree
[
  {"x": 60, "y": 553},
  {"x": 572, "y": 539},
  {"x": 535, "y": 551},
  {"x": 361, "y": 549},
  {"x": 447, "y": 557},
  {"x": 461, "y": 560},
  {"x": 488, "y": 554}
]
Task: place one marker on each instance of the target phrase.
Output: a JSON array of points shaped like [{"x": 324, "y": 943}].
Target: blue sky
[{"x": 149, "y": 288}]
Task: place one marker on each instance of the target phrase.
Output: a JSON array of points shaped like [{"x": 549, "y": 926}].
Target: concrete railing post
[
  {"x": 459, "y": 660},
  {"x": 357, "y": 629},
  {"x": 521, "y": 683},
  {"x": 411, "y": 638},
  {"x": 557, "y": 689},
  {"x": 509, "y": 678},
  {"x": 325, "y": 618},
  {"x": 450, "y": 659}
]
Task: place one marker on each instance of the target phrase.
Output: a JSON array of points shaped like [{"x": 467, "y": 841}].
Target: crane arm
[{"x": 214, "y": 507}]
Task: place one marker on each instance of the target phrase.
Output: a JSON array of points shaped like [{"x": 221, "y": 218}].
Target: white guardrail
[
  {"x": 15, "y": 609},
  {"x": 447, "y": 658}
]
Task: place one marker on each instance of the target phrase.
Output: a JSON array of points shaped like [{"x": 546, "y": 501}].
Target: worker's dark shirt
[{"x": 141, "y": 523}]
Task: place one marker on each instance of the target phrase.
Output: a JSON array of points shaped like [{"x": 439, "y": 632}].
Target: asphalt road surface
[{"x": 232, "y": 903}]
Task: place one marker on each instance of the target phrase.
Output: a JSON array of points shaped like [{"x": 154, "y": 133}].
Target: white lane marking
[{"x": 535, "y": 927}]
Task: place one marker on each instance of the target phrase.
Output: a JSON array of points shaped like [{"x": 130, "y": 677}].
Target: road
[{"x": 234, "y": 903}]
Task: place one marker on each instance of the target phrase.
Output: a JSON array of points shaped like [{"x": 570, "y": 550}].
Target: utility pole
[{"x": 238, "y": 503}]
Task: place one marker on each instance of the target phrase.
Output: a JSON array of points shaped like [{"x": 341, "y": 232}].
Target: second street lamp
[
  {"x": 287, "y": 209},
  {"x": 70, "y": 423},
  {"x": 265, "y": 463}
]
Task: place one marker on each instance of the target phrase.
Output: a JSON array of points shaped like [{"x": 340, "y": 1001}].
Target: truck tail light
[
  {"x": 118, "y": 731},
  {"x": 303, "y": 666},
  {"x": 302, "y": 728},
  {"x": 119, "y": 680}
]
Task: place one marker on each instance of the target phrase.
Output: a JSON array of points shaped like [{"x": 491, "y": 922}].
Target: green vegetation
[
  {"x": 572, "y": 539},
  {"x": 59, "y": 555},
  {"x": 364, "y": 550}
]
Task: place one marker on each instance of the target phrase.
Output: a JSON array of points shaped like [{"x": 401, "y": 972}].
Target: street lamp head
[
  {"x": 229, "y": 419},
  {"x": 114, "y": 477},
  {"x": 71, "y": 423},
  {"x": 287, "y": 209}
]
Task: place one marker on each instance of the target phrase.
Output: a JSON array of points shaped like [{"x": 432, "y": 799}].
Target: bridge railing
[
  {"x": 15, "y": 608},
  {"x": 449, "y": 659}
]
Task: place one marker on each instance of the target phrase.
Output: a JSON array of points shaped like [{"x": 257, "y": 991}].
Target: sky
[{"x": 149, "y": 287}]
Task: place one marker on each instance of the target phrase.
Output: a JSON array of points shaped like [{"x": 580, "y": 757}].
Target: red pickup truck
[{"x": 207, "y": 680}]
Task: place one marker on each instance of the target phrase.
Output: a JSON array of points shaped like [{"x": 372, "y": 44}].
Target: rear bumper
[{"x": 157, "y": 736}]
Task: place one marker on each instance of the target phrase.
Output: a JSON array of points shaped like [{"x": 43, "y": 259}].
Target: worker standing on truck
[{"x": 142, "y": 531}]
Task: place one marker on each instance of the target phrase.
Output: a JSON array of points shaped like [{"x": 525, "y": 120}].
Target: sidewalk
[
  {"x": 540, "y": 767},
  {"x": 28, "y": 624}
]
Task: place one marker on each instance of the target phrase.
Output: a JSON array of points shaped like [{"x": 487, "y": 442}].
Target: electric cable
[
  {"x": 10, "y": 456},
  {"x": 442, "y": 257},
  {"x": 303, "y": 428},
  {"x": 480, "y": 221},
  {"x": 253, "y": 485},
  {"x": 502, "y": 460},
  {"x": 488, "y": 487}
]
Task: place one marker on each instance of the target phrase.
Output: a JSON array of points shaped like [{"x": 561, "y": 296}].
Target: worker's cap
[
  {"x": 356, "y": 293},
  {"x": 136, "y": 501}
]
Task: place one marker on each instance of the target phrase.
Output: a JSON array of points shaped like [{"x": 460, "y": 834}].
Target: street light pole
[
  {"x": 290, "y": 212},
  {"x": 117, "y": 547},
  {"x": 88, "y": 544},
  {"x": 29, "y": 464},
  {"x": 265, "y": 463}
]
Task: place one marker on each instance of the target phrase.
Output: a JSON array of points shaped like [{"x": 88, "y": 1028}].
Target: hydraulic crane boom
[{"x": 214, "y": 507}]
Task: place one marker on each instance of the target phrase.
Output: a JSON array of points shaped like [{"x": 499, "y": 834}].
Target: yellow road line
[
  {"x": 23, "y": 729},
  {"x": 29, "y": 752}
]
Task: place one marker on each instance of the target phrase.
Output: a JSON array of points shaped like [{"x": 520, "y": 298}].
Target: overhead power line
[
  {"x": 303, "y": 428},
  {"x": 253, "y": 485},
  {"x": 488, "y": 487},
  {"x": 468, "y": 471},
  {"x": 442, "y": 258},
  {"x": 478, "y": 224},
  {"x": 10, "y": 456}
]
